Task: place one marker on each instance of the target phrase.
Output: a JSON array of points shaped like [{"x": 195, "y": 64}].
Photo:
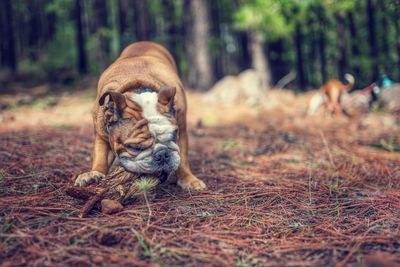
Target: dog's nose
[{"x": 162, "y": 156}]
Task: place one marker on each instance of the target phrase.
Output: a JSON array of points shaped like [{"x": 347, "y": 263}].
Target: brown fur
[
  {"x": 140, "y": 65},
  {"x": 334, "y": 89}
]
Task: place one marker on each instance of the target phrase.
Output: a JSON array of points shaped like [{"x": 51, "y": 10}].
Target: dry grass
[{"x": 283, "y": 190}]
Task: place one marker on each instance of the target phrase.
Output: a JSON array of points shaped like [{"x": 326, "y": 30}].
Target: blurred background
[{"x": 306, "y": 42}]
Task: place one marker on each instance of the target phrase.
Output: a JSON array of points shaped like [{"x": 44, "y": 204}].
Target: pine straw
[{"x": 279, "y": 194}]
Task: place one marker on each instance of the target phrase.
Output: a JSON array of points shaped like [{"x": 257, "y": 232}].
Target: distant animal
[
  {"x": 316, "y": 101},
  {"x": 376, "y": 92},
  {"x": 334, "y": 90},
  {"x": 140, "y": 118},
  {"x": 390, "y": 98},
  {"x": 361, "y": 100}
]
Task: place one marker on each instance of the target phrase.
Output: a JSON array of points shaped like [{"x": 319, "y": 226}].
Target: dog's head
[{"x": 142, "y": 130}]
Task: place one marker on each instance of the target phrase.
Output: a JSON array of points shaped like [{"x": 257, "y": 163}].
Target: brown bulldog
[{"x": 140, "y": 118}]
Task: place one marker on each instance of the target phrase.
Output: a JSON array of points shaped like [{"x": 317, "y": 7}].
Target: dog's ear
[
  {"x": 116, "y": 97},
  {"x": 166, "y": 95},
  {"x": 114, "y": 102}
]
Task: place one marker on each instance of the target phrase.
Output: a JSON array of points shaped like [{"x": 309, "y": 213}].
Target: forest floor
[{"x": 283, "y": 190}]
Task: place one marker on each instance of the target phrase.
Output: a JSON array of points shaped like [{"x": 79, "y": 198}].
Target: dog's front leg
[
  {"x": 185, "y": 177},
  {"x": 100, "y": 165}
]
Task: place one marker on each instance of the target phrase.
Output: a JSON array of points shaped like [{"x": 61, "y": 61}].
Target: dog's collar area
[{"x": 142, "y": 90}]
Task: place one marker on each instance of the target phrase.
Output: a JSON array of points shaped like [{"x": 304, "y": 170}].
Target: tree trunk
[
  {"x": 355, "y": 50},
  {"x": 186, "y": 31},
  {"x": 341, "y": 35},
  {"x": 122, "y": 14},
  {"x": 200, "y": 74},
  {"x": 180, "y": 32},
  {"x": 244, "y": 55},
  {"x": 49, "y": 25},
  {"x": 8, "y": 40},
  {"x": 397, "y": 26},
  {"x": 321, "y": 48},
  {"x": 142, "y": 31},
  {"x": 101, "y": 25},
  {"x": 311, "y": 37},
  {"x": 299, "y": 54},
  {"x": 259, "y": 60},
  {"x": 276, "y": 57},
  {"x": 384, "y": 35},
  {"x": 242, "y": 39},
  {"x": 2, "y": 41},
  {"x": 171, "y": 28},
  {"x": 372, "y": 39},
  {"x": 33, "y": 30},
  {"x": 80, "y": 38},
  {"x": 217, "y": 61}
]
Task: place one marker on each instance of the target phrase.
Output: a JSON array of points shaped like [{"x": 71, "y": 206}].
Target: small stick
[
  {"x": 91, "y": 202},
  {"x": 79, "y": 192},
  {"x": 148, "y": 207}
]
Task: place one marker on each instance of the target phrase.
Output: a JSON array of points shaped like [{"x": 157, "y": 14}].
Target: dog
[
  {"x": 334, "y": 90},
  {"x": 140, "y": 118}
]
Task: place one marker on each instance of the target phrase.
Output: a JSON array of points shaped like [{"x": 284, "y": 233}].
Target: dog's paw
[
  {"x": 87, "y": 178},
  {"x": 191, "y": 182}
]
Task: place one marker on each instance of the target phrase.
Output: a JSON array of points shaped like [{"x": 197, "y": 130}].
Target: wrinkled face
[{"x": 143, "y": 132}]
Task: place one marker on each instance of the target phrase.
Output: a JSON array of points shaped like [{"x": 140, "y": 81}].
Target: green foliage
[
  {"x": 341, "y": 6},
  {"x": 230, "y": 145},
  {"x": 144, "y": 185},
  {"x": 46, "y": 102},
  {"x": 297, "y": 8},
  {"x": 60, "y": 50},
  {"x": 147, "y": 251},
  {"x": 60, "y": 7},
  {"x": 263, "y": 17},
  {"x": 390, "y": 144}
]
